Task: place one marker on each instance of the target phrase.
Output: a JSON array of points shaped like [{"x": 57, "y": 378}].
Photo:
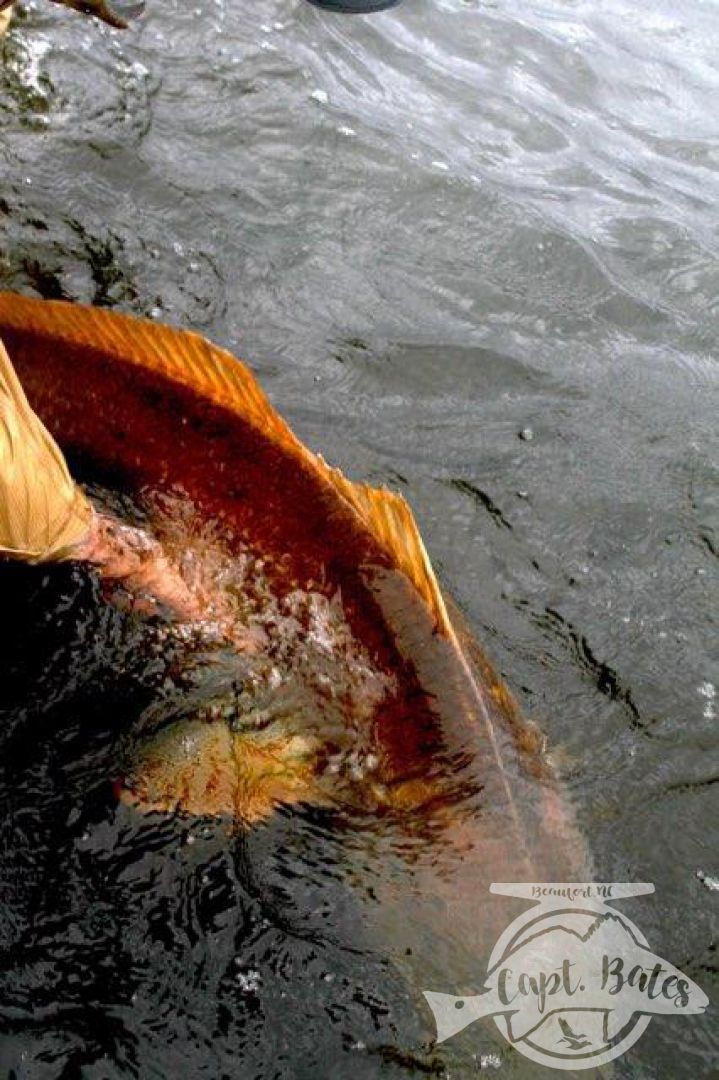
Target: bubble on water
[
  {"x": 348, "y": 132},
  {"x": 708, "y": 880},
  {"x": 29, "y": 67},
  {"x": 248, "y": 981},
  {"x": 442, "y": 165},
  {"x": 708, "y": 691}
]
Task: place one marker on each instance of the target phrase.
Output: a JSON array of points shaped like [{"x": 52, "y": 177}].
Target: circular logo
[
  {"x": 572, "y": 983},
  {"x": 585, "y": 1036}
]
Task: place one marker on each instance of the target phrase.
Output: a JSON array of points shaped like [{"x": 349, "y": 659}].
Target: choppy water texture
[{"x": 471, "y": 251}]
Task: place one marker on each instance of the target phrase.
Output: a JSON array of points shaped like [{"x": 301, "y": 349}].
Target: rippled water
[{"x": 471, "y": 251}]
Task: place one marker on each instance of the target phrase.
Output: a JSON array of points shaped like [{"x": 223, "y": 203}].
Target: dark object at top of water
[{"x": 355, "y": 7}]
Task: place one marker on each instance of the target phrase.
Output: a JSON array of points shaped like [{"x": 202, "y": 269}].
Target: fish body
[{"x": 364, "y": 688}]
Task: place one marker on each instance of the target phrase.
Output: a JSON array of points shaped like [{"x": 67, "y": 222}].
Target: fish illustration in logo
[{"x": 573, "y": 979}]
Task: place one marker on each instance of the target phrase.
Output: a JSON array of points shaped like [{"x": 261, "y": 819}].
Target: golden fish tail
[{"x": 43, "y": 513}]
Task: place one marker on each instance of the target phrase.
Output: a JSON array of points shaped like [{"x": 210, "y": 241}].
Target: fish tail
[{"x": 43, "y": 513}]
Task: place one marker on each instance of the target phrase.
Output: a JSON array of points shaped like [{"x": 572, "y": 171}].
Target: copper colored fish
[{"x": 361, "y": 686}]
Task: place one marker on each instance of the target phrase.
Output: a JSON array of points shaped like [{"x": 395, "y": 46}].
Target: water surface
[{"x": 471, "y": 251}]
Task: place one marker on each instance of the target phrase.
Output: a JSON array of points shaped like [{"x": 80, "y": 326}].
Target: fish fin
[
  {"x": 43, "y": 513},
  {"x": 390, "y": 520},
  {"x": 188, "y": 359}
]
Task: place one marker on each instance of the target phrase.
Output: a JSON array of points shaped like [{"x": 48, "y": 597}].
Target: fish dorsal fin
[{"x": 190, "y": 360}]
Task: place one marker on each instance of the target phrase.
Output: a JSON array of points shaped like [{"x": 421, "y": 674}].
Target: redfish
[{"x": 359, "y": 685}]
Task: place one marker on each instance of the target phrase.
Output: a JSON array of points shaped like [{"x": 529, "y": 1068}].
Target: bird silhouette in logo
[{"x": 574, "y": 1042}]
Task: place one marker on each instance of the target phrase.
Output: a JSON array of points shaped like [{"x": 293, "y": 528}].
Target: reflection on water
[{"x": 430, "y": 232}]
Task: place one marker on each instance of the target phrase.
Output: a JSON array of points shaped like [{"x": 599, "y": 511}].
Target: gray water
[{"x": 471, "y": 250}]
